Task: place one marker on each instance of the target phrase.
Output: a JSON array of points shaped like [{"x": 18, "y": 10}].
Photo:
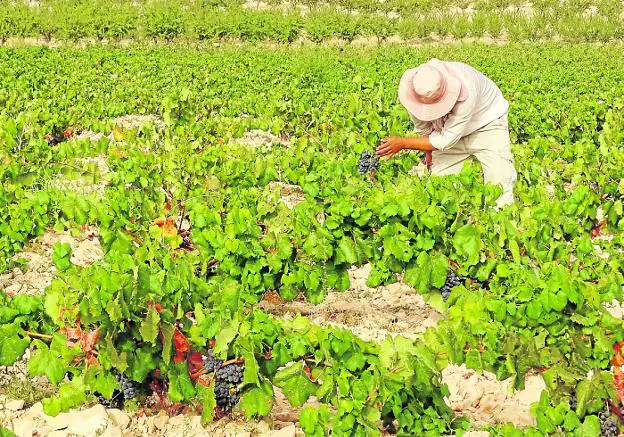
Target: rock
[
  {"x": 288, "y": 431},
  {"x": 90, "y": 422},
  {"x": 111, "y": 431},
  {"x": 160, "y": 422},
  {"x": 14, "y": 405},
  {"x": 25, "y": 428},
  {"x": 119, "y": 418},
  {"x": 58, "y": 422},
  {"x": 476, "y": 434}
]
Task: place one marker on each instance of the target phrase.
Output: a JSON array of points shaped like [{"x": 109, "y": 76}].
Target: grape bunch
[
  {"x": 232, "y": 373},
  {"x": 211, "y": 363},
  {"x": 608, "y": 425},
  {"x": 572, "y": 401},
  {"x": 129, "y": 390},
  {"x": 227, "y": 379},
  {"x": 114, "y": 402},
  {"x": 452, "y": 280},
  {"x": 368, "y": 162}
]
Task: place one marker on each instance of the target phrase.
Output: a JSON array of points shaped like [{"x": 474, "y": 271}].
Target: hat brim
[{"x": 431, "y": 111}]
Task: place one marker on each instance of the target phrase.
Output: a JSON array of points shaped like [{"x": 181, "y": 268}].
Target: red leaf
[
  {"x": 196, "y": 362},
  {"x": 179, "y": 358},
  {"x": 89, "y": 340},
  {"x": 618, "y": 379},
  {"x": 180, "y": 343},
  {"x": 74, "y": 335}
]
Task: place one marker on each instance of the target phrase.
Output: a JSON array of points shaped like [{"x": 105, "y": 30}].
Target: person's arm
[{"x": 392, "y": 145}]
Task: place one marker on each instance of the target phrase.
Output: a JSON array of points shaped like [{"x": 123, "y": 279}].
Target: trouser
[{"x": 491, "y": 146}]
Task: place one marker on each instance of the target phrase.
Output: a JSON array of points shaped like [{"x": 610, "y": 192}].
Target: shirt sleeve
[
  {"x": 421, "y": 127},
  {"x": 455, "y": 124}
]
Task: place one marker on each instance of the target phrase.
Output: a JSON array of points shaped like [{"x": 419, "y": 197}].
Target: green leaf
[
  {"x": 250, "y": 373},
  {"x": 167, "y": 330},
  {"x": 61, "y": 256},
  {"x": 149, "y": 326},
  {"x": 258, "y": 401},
  {"x": 12, "y": 347},
  {"x": 467, "y": 243},
  {"x": 208, "y": 402},
  {"x": 583, "y": 393},
  {"x": 181, "y": 387},
  {"x": 295, "y": 383},
  {"x": 223, "y": 340},
  {"x": 71, "y": 394},
  {"x": 571, "y": 421},
  {"x": 46, "y": 362},
  {"x": 589, "y": 428}
]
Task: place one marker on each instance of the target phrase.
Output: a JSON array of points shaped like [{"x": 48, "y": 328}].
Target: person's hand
[
  {"x": 428, "y": 159},
  {"x": 390, "y": 146}
]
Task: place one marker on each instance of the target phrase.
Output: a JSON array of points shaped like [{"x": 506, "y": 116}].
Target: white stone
[
  {"x": 14, "y": 405},
  {"x": 58, "y": 422},
  {"x": 119, "y": 418},
  {"x": 111, "y": 431},
  {"x": 90, "y": 422},
  {"x": 160, "y": 422},
  {"x": 288, "y": 431}
]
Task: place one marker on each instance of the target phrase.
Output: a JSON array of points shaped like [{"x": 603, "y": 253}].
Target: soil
[
  {"x": 370, "y": 313},
  {"x": 136, "y": 121},
  {"x": 37, "y": 272},
  {"x": 97, "y": 420},
  {"x": 290, "y": 195},
  {"x": 259, "y": 138},
  {"x": 485, "y": 400},
  {"x": 94, "y": 181}
]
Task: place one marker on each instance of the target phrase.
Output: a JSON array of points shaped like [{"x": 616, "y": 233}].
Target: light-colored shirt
[{"x": 485, "y": 103}]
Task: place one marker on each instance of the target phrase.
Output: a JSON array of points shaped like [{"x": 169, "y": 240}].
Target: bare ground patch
[
  {"x": 136, "y": 121},
  {"x": 370, "y": 313},
  {"x": 290, "y": 195},
  {"x": 97, "y": 420},
  {"x": 485, "y": 400},
  {"x": 259, "y": 138},
  {"x": 91, "y": 180},
  {"x": 38, "y": 270}
]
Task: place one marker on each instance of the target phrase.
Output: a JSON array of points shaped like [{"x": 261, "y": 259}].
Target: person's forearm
[{"x": 419, "y": 143}]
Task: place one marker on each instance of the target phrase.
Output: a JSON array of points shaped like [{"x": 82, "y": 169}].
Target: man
[{"x": 459, "y": 113}]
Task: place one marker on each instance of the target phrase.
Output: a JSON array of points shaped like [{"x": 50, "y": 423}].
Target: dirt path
[{"x": 370, "y": 313}]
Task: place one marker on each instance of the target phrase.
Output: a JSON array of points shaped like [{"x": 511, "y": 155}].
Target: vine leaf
[
  {"x": 149, "y": 326},
  {"x": 208, "y": 401},
  {"x": 258, "y": 401},
  {"x": 180, "y": 385},
  {"x": 12, "y": 346},
  {"x": 295, "y": 383},
  {"x": 71, "y": 394},
  {"x": 467, "y": 243},
  {"x": 166, "y": 332}
]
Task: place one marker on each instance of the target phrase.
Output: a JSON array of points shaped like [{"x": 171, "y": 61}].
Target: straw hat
[{"x": 430, "y": 91}]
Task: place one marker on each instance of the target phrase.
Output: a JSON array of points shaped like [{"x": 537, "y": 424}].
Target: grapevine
[{"x": 193, "y": 239}]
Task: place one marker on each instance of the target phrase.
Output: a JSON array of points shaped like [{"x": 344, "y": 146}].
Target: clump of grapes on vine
[
  {"x": 452, "y": 281},
  {"x": 128, "y": 390},
  {"x": 227, "y": 377},
  {"x": 368, "y": 162}
]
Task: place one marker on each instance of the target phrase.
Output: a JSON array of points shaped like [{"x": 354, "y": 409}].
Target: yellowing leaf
[{"x": 118, "y": 134}]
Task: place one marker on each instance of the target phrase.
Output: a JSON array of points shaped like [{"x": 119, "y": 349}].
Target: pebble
[
  {"x": 59, "y": 422},
  {"x": 119, "y": 418},
  {"x": 160, "y": 422},
  {"x": 14, "y": 405},
  {"x": 288, "y": 431}
]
